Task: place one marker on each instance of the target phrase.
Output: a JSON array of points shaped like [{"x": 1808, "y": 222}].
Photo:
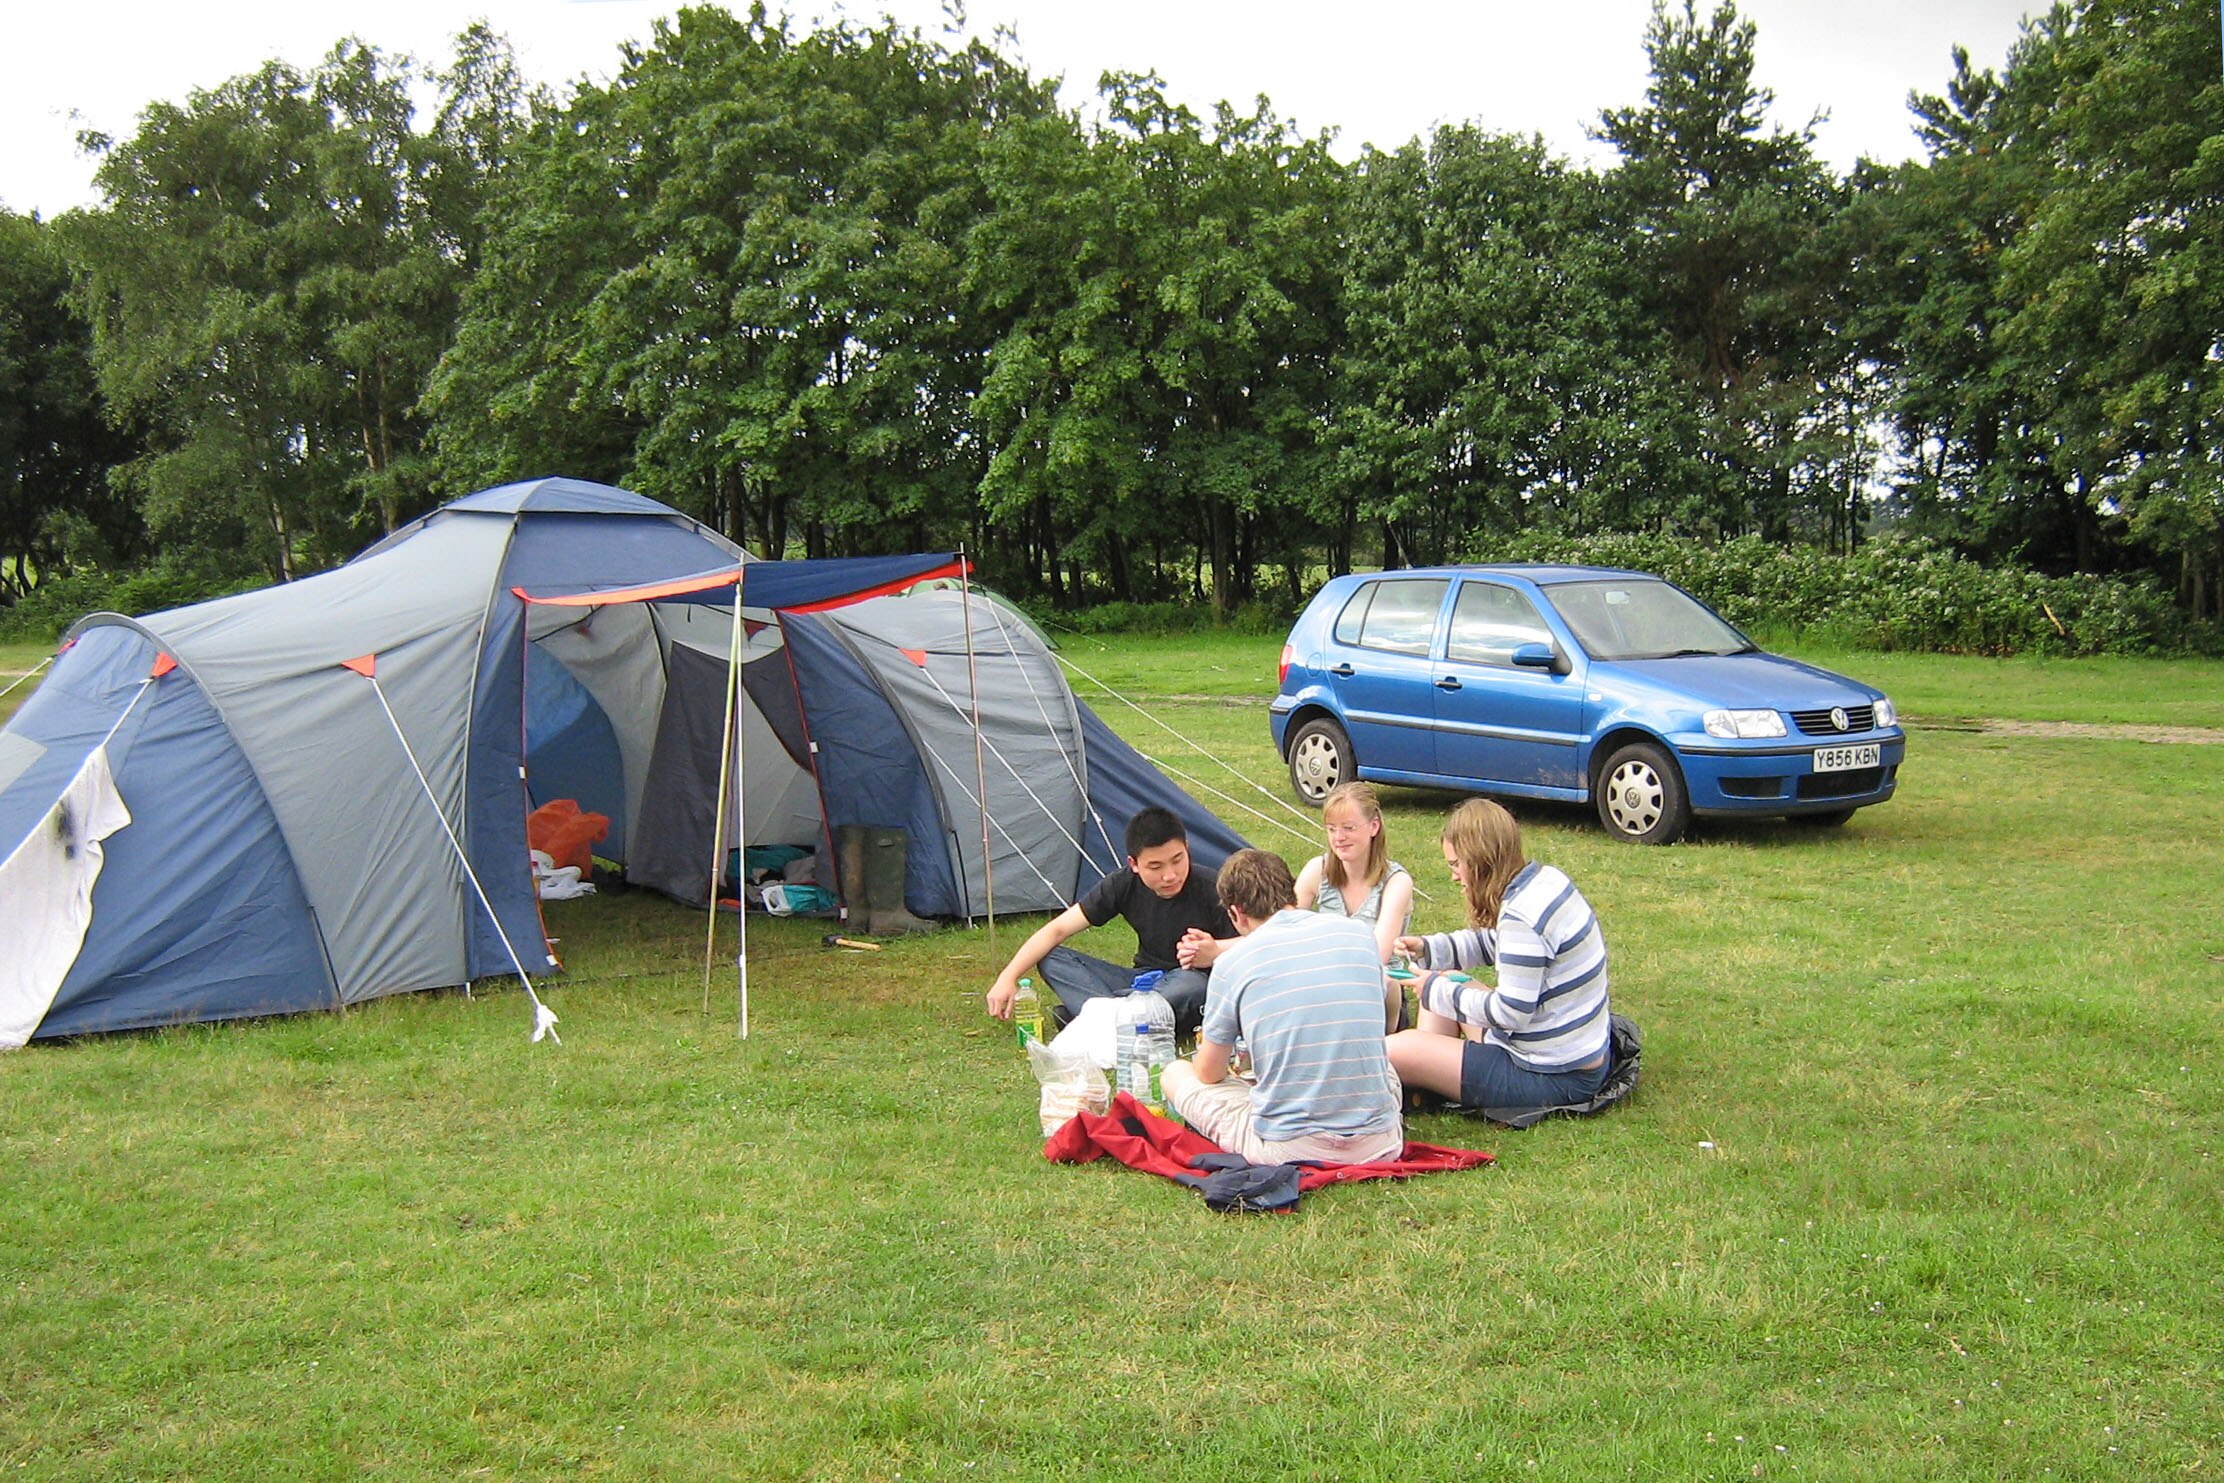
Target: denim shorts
[{"x": 1491, "y": 1077}]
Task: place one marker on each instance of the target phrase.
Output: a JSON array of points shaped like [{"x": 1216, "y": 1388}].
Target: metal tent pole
[{"x": 980, "y": 765}]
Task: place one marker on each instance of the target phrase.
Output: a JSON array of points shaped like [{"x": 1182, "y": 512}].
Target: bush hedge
[
  {"x": 1894, "y": 594},
  {"x": 51, "y": 607}
]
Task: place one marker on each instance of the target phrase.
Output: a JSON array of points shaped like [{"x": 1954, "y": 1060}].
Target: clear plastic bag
[{"x": 1071, "y": 1083}]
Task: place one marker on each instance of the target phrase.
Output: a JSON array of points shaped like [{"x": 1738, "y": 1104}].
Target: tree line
[{"x": 854, "y": 288}]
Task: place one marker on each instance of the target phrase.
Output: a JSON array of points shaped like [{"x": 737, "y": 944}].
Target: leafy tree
[
  {"x": 1242, "y": 318},
  {"x": 1732, "y": 222},
  {"x": 1933, "y": 239},
  {"x": 2045, "y": 295},
  {"x": 2113, "y": 299},
  {"x": 270, "y": 279},
  {"x": 55, "y": 443},
  {"x": 1053, "y": 264},
  {"x": 734, "y": 277},
  {"x": 1494, "y": 372},
  {"x": 1172, "y": 294}
]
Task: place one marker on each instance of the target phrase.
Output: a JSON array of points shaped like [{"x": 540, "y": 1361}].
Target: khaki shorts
[{"x": 1221, "y": 1111}]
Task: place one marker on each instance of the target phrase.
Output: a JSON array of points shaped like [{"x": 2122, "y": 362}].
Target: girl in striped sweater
[{"x": 1539, "y": 1038}]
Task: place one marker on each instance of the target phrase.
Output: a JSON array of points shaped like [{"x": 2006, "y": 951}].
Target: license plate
[{"x": 1846, "y": 759}]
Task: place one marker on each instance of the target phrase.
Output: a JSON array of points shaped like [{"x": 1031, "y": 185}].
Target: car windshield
[{"x": 1637, "y": 619}]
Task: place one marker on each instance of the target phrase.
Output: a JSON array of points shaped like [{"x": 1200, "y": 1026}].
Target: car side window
[
  {"x": 1489, "y": 622},
  {"x": 1397, "y": 615}
]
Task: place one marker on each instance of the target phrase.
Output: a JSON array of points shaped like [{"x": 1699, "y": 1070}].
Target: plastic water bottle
[
  {"x": 1027, "y": 1012},
  {"x": 1145, "y": 1047}
]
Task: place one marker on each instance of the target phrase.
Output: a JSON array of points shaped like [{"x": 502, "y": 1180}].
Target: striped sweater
[{"x": 1549, "y": 1009}]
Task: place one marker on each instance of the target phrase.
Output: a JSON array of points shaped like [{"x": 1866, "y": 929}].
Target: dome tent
[{"x": 265, "y": 803}]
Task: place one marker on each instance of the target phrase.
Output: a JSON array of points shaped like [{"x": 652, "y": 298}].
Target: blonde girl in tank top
[{"x": 1355, "y": 876}]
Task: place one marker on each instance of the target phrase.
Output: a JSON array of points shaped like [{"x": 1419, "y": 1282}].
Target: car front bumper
[{"x": 1783, "y": 781}]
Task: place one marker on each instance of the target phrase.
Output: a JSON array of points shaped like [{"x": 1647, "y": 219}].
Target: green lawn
[
  {"x": 1944, "y": 689},
  {"x": 16, "y": 662},
  {"x": 1921, "y": 1182}
]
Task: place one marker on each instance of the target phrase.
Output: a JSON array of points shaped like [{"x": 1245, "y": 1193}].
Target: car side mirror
[{"x": 1537, "y": 656}]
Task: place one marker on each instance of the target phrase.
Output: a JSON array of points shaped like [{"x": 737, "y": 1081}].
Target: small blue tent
[{"x": 266, "y": 803}]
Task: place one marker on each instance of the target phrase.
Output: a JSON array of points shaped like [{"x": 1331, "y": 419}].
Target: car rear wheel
[
  {"x": 1641, "y": 795},
  {"x": 1320, "y": 760}
]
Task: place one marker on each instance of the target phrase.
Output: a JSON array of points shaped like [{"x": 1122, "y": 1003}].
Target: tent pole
[
  {"x": 980, "y": 766},
  {"x": 730, "y": 761}
]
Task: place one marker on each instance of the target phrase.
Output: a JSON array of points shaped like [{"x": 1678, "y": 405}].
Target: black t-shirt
[{"x": 1159, "y": 921}]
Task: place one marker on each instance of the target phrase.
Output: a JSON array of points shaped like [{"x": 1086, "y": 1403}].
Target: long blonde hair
[
  {"x": 1361, "y": 796},
  {"x": 1488, "y": 843}
]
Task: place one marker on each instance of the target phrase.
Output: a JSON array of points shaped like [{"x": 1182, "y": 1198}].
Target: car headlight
[
  {"x": 1744, "y": 723},
  {"x": 1885, "y": 714}
]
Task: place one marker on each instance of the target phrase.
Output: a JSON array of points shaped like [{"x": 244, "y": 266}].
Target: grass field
[
  {"x": 1921, "y": 1181},
  {"x": 16, "y": 662}
]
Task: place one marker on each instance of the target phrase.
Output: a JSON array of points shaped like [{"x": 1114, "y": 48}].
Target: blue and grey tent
[{"x": 316, "y": 794}]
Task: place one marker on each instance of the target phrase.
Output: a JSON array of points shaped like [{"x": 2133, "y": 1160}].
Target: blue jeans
[
  {"x": 1077, "y": 978},
  {"x": 1491, "y": 1078}
]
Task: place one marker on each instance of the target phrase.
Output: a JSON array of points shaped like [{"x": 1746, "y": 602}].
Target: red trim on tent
[
  {"x": 163, "y": 664},
  {"x": 916, "y": 656},
  {"x": 366, "y": 666},
  {"x": 736, "y": 577},
  {"x": 956, "y": 568}
]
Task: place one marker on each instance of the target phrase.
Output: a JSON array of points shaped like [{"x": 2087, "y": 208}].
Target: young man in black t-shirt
[{"x": 1163, "y": 898}]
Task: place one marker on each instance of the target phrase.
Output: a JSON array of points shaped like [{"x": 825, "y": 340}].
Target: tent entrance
[
  {"x": 769, "y": 798},
  {"x": 571, "y": 749},
  {"x": 633, "y": 698}
]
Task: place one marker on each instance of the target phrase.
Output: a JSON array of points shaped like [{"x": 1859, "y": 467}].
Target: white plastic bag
[
  {"x": 1094, "y": 1033},
  {"x": 553, "y": 882}
]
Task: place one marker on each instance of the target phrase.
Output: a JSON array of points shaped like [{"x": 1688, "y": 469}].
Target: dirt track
[
  {"x": 2081, "y": 730},
  {"x": 1994, "y": 726}
]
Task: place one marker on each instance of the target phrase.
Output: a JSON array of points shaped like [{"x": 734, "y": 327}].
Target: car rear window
[{"x": 1398, "y": 615}]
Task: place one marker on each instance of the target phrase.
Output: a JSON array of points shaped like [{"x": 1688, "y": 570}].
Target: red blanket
[{"x": 1143, "y": 1140}]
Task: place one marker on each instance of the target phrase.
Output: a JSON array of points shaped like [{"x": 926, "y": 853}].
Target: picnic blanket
[{"x": 1141, "y": 1139}]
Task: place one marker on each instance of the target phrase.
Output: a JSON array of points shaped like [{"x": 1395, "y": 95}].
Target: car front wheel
[
  {"x": 1641, "y": 795},
  {"x": 1320, "y": 760}
]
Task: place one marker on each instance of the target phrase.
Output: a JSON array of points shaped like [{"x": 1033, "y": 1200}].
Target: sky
[{"x": 1375, "y": 72}]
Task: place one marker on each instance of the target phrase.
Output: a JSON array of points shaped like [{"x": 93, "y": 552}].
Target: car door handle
[
  {"x": 1449, "y": 682},
  {"x": 1343, "y": 671}
]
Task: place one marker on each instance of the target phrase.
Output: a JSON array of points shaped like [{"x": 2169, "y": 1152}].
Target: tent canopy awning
[{"x": 790, "y": 586}]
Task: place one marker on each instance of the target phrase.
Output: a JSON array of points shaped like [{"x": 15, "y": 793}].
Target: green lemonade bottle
[{"x": 1027, "y": 1012}]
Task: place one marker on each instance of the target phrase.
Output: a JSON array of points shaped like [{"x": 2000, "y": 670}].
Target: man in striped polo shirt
[{"x": 1303, "y": 991}]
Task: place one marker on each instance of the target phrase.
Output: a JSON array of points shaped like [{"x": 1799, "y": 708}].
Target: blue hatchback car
[{"x": 1582, "y": 684}]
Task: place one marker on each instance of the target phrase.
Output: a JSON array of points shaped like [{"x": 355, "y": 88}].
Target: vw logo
[{"x": 1838, "y": 717}]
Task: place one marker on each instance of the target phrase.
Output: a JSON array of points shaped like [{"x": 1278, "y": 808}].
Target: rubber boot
[
  {"x": 849, "y": 875},
  {"x": 885, "y": 857}
]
